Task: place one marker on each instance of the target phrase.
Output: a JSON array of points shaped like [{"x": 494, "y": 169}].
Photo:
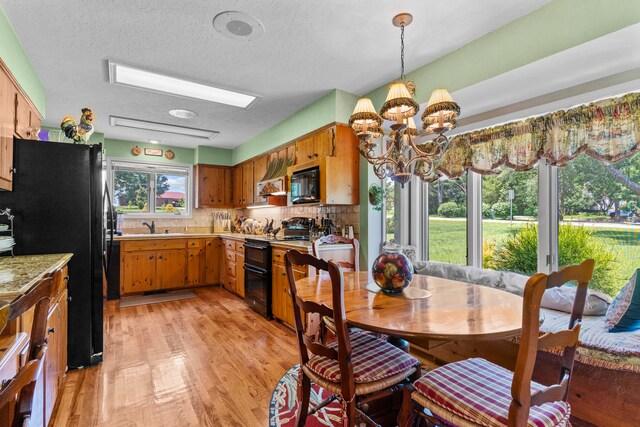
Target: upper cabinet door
[
  {"x": 213, "y": 186},
  {"x": 22, "y": 117},
  {"x": 324, "y": 143},
  {"x": 304, "y": 150},
  {"x": 247, "y": 184},
  {"x": 259, "y": 169},
  {"x": 7, "y": 124},
  {"x": 237, "y": 186}
]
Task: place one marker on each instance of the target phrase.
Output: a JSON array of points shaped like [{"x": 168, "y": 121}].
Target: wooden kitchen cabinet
[
  {"x": 236, "y": 178},
  {"x": 315, "y": 146},
  {"x": 213, "y": 260},
  {"x": 138, "y": 271},
  {"x": 155, "y": 263},
  {"x": 233, "y": 266},
  {"x": 171, "y": 268},
  {"x": 281, "y": 304},
  {"x": 213, "y": 186},
  {"x": 259, "y": 170},
  {"x": 247, "y": 184},
  {"x": 19, "y": 117}
]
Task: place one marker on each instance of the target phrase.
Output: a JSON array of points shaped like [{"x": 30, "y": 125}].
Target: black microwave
[{"x": 305, "y": 186}]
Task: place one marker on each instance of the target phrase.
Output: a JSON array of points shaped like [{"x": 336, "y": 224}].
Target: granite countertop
[
  {"x": 238, "y": 236},
  {"x": 18, "y": 274}
]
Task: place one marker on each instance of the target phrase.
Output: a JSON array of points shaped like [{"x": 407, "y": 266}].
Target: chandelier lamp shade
[{"x": 397, "y": 156}]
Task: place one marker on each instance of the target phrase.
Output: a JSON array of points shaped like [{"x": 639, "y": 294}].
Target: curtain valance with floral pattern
[{"x": 608, "y": 130}]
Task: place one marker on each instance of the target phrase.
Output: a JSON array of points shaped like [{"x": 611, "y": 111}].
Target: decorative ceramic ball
[{"x": 392, "y": 271}]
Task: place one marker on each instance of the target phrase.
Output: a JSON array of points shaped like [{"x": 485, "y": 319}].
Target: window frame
[{"x": 188, "y": 168}]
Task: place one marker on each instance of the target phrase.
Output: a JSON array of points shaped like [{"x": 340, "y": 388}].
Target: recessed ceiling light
[
  {"x": 161, "y": 127},
  {"x": 183, "y": 114},
  {"x": 142, "y": 79},
  {"x": 154, "y": 141},
  {"x": 238, "y": 25}
]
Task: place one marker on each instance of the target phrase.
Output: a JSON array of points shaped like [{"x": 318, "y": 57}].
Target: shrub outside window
[{"x": 149, "y": 189}]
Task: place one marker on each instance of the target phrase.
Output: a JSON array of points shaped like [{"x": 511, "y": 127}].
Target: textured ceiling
[{"x": 308, "y": 49}]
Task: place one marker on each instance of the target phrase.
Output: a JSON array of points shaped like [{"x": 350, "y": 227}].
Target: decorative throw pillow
[
  {"x": 561, "y": 299},
  {"x": 624, "y": 313}
]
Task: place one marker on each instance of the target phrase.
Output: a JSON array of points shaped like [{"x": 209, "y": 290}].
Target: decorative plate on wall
[
  {"x": 136, "y": 151},
  {"x": 376, "y": 196},
  {"x": 169, "y": 154}
]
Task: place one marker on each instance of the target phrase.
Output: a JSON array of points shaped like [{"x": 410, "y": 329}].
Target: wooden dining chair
[
  {"x": 19, "y": 391},
  {"x": 476, "y": 392},
  {"x": 356, "y": 367},
  {"x": 333, "y": 239}
]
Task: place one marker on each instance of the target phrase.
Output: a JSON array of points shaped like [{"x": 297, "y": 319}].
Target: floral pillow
[{"x": 624, "y": 313}]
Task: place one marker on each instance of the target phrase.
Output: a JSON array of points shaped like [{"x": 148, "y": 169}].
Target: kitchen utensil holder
[{"x": 7, "y": 212}]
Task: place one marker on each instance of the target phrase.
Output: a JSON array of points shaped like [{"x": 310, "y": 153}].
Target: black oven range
[{"x": 257, "y": 276}]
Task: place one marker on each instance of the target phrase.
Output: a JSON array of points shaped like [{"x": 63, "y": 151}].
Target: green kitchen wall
[
  {"x": 16, "y": 59},
  {"x": 335, "y": 106},
  {"x": 201, "y": 154}
]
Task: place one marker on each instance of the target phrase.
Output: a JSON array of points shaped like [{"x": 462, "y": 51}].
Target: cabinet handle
[
  {"x": 315, "y": 154},
  {"x": 51, "y": 330},
  {"x": 309, "y": 156},
  {"x": 12, "y": 170},
  {"x": 150, "y": 256},
  {"x": 66, "y": 278}
]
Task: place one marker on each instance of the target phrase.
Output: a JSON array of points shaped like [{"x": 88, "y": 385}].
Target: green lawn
[{"x": 448, "y": 240}]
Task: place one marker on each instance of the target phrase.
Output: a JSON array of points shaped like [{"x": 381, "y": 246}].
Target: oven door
[
  {"x": 305, "y": 186},
  {"x": 257, "y": 289}
]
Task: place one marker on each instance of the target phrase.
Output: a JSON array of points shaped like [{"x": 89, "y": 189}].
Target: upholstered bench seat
[{"x": 478, "y": 390}]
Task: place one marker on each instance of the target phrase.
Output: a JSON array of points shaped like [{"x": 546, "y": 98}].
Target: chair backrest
[
  {"x": 309, "y": 343},
  {"x": 333, "y": 239},
  {"x": 23, "y": 384},
  {"x": 531, "y": 341}
]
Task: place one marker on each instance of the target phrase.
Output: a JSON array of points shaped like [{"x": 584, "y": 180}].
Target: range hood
[{"x": 274, "y": 181}]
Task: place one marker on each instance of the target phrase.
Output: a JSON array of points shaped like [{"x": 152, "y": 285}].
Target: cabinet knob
[
  {"x": 309, "y": 156},
  {"x": 51, "y": 330},
  {"x": 12, "y": 170},
  {"x": 315, "y": 154},
  {"x": 66, "y": 278},
  {"x": 150, "y": 256}
]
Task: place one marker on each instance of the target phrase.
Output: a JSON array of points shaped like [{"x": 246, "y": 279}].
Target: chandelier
[{"x": 397, "y": 156}]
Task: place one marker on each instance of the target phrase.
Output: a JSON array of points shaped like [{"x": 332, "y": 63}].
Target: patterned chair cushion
[
  {"x": 372, "y": 359},
  {"x": 479, "y": 391}
]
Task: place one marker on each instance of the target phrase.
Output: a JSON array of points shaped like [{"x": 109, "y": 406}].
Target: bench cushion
[
  {"x": 624, "y": 313},
  {"x": 480, "y": 391}
]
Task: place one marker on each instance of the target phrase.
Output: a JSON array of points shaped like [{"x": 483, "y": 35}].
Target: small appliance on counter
[{"x": 297, "y": 228}]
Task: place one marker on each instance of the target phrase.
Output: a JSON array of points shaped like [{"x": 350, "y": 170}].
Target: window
[
  {"x": 509, "y": 216},
  {"x": 148, "y": 189},
  {"x": 599, "y": 217},
  {"x": 391, "y": 212},
  {"x": 448, "y": 220}
]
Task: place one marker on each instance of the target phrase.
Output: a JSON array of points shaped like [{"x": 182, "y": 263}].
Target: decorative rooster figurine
[{"x": 78, "y": 133}]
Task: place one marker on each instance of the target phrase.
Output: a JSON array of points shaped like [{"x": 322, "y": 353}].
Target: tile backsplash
[{"x": 202, "y": 219}]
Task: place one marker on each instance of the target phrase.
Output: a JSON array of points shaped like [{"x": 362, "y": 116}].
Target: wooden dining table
[{"x": 454, "y": 311}]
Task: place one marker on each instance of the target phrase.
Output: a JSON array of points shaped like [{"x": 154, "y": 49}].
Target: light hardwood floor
[{"x": 205, "y": 361}]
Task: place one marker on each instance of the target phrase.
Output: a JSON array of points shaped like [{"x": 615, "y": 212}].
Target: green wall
[
  {"x": 555, "y": 27},
  {"x": 122, "y": 149},
  {"x": 212, "y": 156},
  {"x": 15, "y": 57},
  {"x": 336, "y": 106}
]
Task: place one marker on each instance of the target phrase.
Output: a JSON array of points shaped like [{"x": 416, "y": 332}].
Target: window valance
[{"x": 608, "y": 130}]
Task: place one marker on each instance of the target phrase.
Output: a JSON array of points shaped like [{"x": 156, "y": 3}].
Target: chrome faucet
[{"x": 152, "y": 227}]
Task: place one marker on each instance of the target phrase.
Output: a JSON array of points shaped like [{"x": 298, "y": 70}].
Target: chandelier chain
[{"x": 402, "y": 52}]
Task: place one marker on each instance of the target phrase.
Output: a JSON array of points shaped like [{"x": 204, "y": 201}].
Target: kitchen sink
[{"x": 157, "y": 235}]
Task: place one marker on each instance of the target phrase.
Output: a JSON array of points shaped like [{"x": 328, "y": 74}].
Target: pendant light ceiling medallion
[{"x": 398, "y": 157}]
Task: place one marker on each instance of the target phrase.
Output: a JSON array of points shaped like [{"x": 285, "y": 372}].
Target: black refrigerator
[{"x": 57, "y": 201}]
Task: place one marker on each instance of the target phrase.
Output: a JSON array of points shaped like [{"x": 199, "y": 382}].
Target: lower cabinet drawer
[
  {"x": 229, "y": 255},
  {"x": 231, "y": 269},
  {"x": 230, "y": 283},
  {"x": 277, "y": 255}
]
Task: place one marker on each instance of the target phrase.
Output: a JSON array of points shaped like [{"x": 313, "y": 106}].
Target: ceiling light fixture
[
  {"x": 154, "y": 141},
  {"x": 183, "y": 114},
  {"x": 399, "y": 157},
  {"x": 142, "y": 79},
  {"x": 161, "y": 127}
]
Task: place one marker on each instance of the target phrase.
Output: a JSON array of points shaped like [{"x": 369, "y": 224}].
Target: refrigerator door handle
[{"x": 111, "y": 224}]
